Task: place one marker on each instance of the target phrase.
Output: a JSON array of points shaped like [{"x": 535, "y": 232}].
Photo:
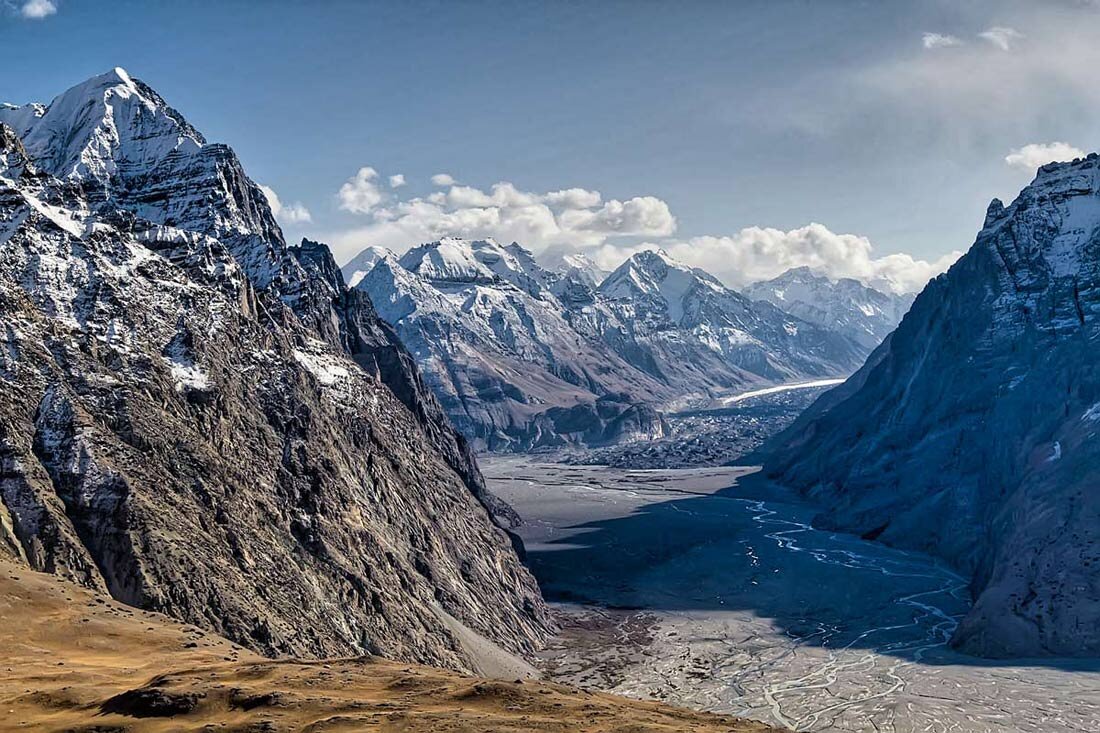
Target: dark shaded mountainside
[
  {"x": 971, "y": 432},
  {"x": 201, "y": 420}
]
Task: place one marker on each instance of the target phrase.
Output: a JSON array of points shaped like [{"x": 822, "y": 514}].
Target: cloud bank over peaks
[
  {"x": 759, "y": 253},
  {"x": 360, "y": 194},
  {"x": 570, "y": 219},
  {"x": 295, "y": 213},
  {"x": 608, "y": 231},
  {"x": 1032, "y": 156}
]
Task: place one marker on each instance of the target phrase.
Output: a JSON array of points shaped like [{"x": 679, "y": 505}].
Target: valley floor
[
  {"x": 715, "y": 434},
  {"x": 709, "y": 588}
]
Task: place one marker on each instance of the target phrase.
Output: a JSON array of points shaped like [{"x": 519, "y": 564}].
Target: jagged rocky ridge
[
  {"x": 972, "y": 431},
  {"x": 524, "y": 357},
  {"x": 203, "y": 421},
  {"x": 861, "y": 313}
]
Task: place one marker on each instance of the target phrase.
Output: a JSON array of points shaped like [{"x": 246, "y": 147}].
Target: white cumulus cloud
[
  {"x": 1032, "y": 156},
  {"x": 295, "y": 213},
  {"x": 642, "y": 215},
  {"x": 608, "y": 231},
  {"x": 759, "y": 253},
  {"x": 360, "y": 193},
  {"x": 569, "y": 219},
  {"x": 574, "y": 198},
  {"x": 940, "y": 40},
  {"x": 38, "y": 9},
  {"x": 397, "y": 180},
  {"x": 443, "y": 179},
  {"x": 1001, "y": 36}
]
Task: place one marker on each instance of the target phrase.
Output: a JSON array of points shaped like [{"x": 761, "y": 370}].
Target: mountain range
[
  {"x": 971, "y": 432},
  {"x": 861, "y": 313},
  {"x": 522, "y": 356},
  {"x": 198, "y": 419}
]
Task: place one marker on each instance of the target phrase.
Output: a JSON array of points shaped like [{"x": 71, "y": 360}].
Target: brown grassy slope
[{"x": 71, "y": 660}]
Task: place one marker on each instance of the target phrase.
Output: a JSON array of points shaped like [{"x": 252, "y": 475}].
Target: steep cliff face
[
  {"x": 203, "y": 421},
  {"x": 971, "y": 432},
  {"x": 351, "y": 322}
]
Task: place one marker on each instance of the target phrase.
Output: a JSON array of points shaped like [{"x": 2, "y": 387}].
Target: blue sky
[{"x": 720, "y": 130}]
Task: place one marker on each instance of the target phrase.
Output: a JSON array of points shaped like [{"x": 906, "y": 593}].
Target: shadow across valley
[{"x": 751, "y": 547}]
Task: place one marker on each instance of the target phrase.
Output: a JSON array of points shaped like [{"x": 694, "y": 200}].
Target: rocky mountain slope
[
  {"x": 522, "y": 357},
  {"x": 202, "y": 421},
  {"x": 861, "y": 313},
  {"x": 97, "y": 665},
  {"x": 971, "y": 432}
]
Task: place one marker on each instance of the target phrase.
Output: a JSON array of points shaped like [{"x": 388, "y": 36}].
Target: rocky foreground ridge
[
  {"x": 971, "y": 433},
  {"x": 98, "y": 666},
  {"x": 200, "y": 420}
]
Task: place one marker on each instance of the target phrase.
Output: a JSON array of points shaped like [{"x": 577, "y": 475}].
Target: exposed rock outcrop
[{"x": 203, "y": 421}]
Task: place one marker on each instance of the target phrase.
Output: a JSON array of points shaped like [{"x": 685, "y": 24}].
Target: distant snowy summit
[
  {"x": 496, "y": 345},
  {"x": 971, "y": 433},
  {"x": 523, "y": 356},
  {"x": 576, "y": 266},
  {"x": 860, "y": 312},
  {"x": 702, "y": 337}
]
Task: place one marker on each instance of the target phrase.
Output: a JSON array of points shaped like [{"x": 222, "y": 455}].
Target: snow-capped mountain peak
[
  {"x": 659, "y": 277},
  {"x": 153, "y": 395},
  {"x": 106, "y": 127},
  {"x": 360, "y": 265},
  {"x": 579, "y": 266},
  {"x": 451, "y": 259},
  {"x": 121, "y": 141},
  {"x": 461, "y": 261},
  {"x": 864, "y": 314},
  {"x": 574, "y": 268}
]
